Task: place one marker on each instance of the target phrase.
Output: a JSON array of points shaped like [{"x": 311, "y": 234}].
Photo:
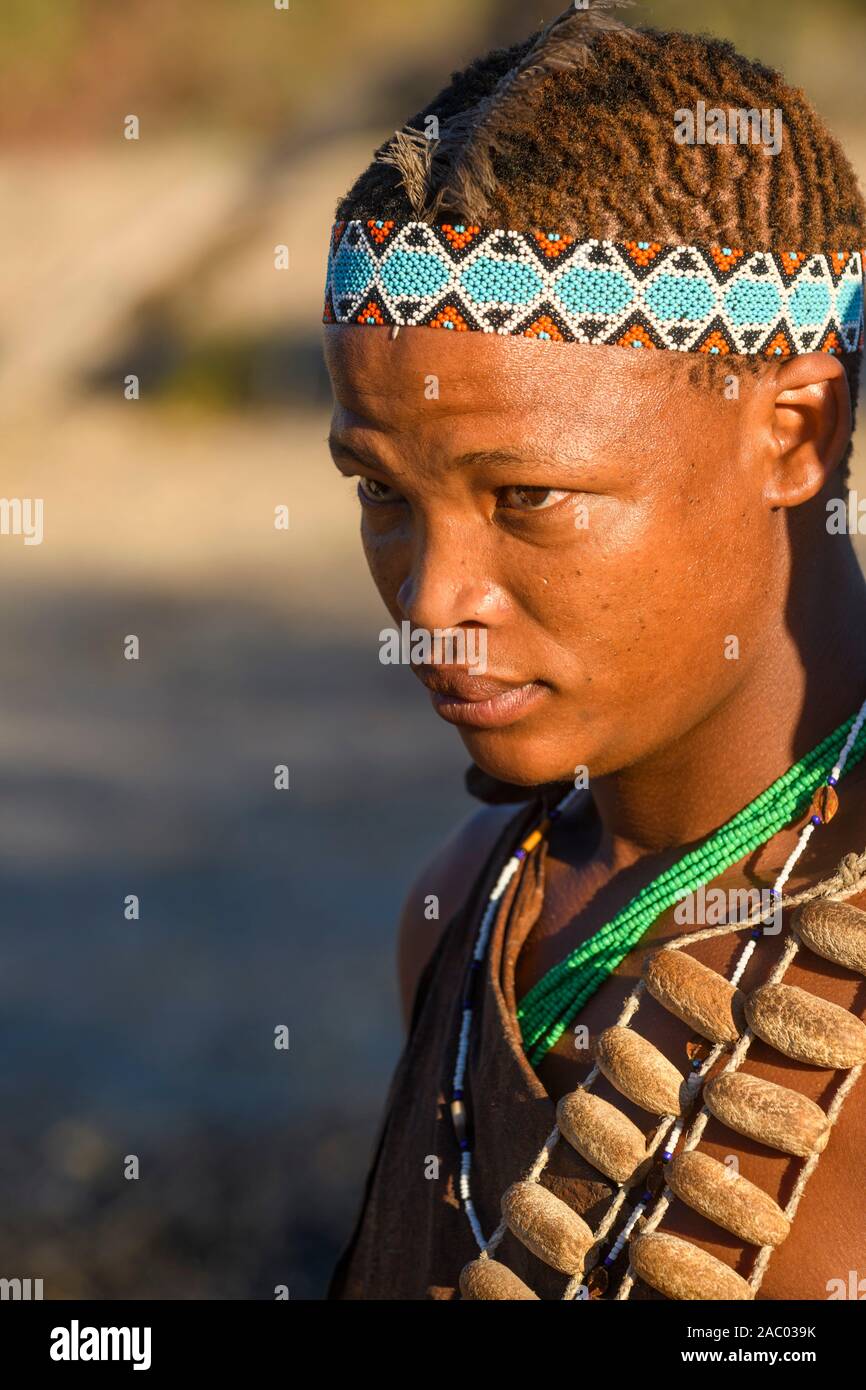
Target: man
[{"x": 605, "y": 428}]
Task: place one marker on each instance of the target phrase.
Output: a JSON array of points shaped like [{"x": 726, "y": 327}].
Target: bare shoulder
[{"x": 439, "y": 891}]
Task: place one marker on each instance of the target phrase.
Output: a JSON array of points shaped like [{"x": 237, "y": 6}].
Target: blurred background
[{"x": 155, "y": 777}]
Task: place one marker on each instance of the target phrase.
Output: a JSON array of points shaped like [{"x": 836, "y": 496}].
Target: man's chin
[{"x": 518, "y": 760}]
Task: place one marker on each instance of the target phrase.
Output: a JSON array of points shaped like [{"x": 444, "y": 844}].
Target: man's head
[
  {"x": 587, "y": 138},
  {"x": 610, "y": 517}
]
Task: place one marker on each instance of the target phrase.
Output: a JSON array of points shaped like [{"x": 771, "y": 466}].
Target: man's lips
[{"x": 481, "y": 702}]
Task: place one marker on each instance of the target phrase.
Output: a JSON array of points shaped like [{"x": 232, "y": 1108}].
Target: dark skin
[{"x": 613, "y": 528}]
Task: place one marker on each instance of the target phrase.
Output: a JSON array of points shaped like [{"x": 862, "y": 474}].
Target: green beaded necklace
[{"x": 546, "y": 1011}]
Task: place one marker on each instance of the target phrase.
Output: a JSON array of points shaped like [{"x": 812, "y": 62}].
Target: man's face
[{"x": 601, "y": 519}]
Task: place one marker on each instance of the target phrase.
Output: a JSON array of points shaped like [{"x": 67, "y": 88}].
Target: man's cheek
[{"x": 386, "y": 561}]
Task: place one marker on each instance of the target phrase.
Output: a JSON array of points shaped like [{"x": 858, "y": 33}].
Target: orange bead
[{"x": 825, "y": 803}]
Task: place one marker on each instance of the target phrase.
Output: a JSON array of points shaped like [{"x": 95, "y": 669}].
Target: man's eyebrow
[
  {"x": 337, "y": 446},
  {"x": 474, "y": 458},
  {"x": 533, "y": 460},
  {"x": 488, "y": 458}
]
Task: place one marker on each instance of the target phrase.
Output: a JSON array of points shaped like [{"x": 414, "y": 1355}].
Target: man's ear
[{"x": 811, "y": 427}]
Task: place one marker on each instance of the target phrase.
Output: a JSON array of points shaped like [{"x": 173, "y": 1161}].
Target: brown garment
[{"x": 412, "y": 1237}]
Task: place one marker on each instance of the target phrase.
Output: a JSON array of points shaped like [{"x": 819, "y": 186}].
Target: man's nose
[{"x": 450, "y": 584}]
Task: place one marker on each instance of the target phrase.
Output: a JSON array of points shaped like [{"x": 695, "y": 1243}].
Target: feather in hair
[
  {"x": 456, "y": 171},
  {"x": 462, "y": 173},
  {"x": 411, "y": 153}
]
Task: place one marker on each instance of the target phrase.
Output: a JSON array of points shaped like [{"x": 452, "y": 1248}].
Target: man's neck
[{"x": 810, "y": 678}]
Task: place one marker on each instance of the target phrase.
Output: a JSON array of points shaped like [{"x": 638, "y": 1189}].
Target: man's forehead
[
  {"x": 414, "y": 399},
  {"x": 428, "y": 370}
]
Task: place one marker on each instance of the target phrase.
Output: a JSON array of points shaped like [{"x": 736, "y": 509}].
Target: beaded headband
[{"x": 635, "y": 294}]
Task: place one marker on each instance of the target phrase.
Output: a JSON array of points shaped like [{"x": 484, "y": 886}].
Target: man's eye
[
  {"x": 371, "y": 490},
  {"x": 531, "y": 499}
]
